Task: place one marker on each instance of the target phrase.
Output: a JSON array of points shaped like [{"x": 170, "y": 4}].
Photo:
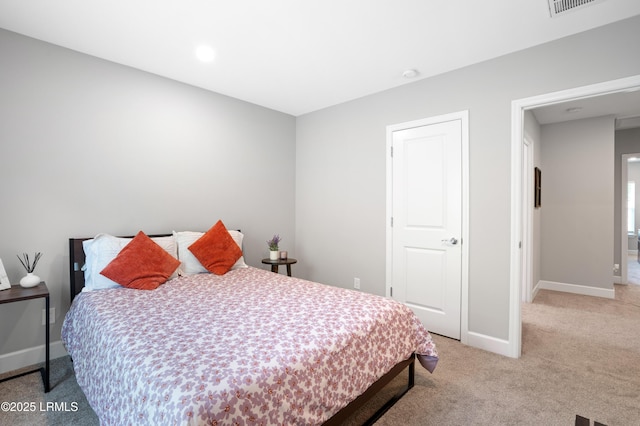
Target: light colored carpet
[
  {"x": 581, "y": 355},
  {"x": 72, "y": 408},
  {"x": 633, "y": 270}
]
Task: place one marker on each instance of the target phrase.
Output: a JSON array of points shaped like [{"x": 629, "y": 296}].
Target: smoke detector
[
  {"x": 560, "y": 7},
  {"x": 411, "y": 73}
]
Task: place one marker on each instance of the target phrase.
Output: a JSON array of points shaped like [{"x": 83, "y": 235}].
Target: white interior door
[{"x": 427, "y": 223}]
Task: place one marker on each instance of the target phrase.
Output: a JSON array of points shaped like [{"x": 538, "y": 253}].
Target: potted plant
[
  {"x": 29, "y": 280},
  {"x": 274, "y": 252}
]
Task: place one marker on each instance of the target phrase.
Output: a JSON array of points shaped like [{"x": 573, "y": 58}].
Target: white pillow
[
  {"x": 189, "y": 264},
  {"x": 102, "y": 249}
]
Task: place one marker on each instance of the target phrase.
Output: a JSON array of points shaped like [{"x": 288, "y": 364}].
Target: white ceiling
[
  {"x": 298, "y": 56},
  {"x": 624, "y": 106}
]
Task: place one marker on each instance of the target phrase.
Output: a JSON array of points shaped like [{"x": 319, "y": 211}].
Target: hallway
[{"x": 633, "y": 270}]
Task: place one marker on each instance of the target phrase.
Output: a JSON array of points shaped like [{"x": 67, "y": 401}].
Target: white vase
[
  {"x": 274, "y": 254},
  {"x": 30, "y": 280}
]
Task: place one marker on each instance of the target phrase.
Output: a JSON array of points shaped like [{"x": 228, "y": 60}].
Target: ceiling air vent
[{"x": 559, "y": 7}]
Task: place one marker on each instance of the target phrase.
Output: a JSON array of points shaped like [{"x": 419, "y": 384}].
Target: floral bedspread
[{"x": 249, "y": 347}]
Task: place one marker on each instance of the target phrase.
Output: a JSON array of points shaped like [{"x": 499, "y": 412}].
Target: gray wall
[
  {"x": 88, "y": 146},
  {"x": 626, "y": 142},
  {"x": 577, "y": 207},
  {"x": 184, "y": 157},
  {"x": 340, "y": 162}
]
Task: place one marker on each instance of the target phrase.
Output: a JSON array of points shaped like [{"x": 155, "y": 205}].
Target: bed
[{"x": 244, "y": 347}]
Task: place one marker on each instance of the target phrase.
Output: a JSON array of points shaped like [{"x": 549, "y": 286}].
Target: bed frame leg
[
  {"x": 342, "y": 415},
  {"x": 390, "y": 403}
]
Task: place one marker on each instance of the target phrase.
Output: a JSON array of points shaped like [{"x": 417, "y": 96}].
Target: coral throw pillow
[
  {"x": 142, "y": 264},
  {"x": 216, "y": 250}
]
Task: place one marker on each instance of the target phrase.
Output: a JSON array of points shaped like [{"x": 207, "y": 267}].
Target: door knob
[{"x": 453, "y": 241}]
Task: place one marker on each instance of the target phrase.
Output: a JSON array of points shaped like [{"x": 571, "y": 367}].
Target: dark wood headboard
[{"x": 77, "y": 260}]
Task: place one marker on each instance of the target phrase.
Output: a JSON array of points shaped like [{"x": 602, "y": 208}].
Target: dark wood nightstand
[
  {"x": 17, "y": 294},
  {"x": 275, "y": 263}
]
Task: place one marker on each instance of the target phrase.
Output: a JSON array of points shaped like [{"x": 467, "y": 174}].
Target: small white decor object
[
  {"x": 30, "y": 280},
  {"x": 4, "y": 279},
  {"x": 274, "y": 254}
]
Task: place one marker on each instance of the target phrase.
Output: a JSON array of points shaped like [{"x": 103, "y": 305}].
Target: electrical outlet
[
  {"x": 616, "y": 267},
  {"x": 356, "y": 283},
  {"x": 52, "y": 315}
]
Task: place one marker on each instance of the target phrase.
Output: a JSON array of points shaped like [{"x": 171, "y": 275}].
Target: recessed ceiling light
[
  {"x": 205, "y": 53},
  {"x": 410, "y": 73}
]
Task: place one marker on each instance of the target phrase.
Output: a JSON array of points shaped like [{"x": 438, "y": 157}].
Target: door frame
[
  {"x": 518, "y": 107},
  {"x": 527, "y": 211},
  {"x": 464, "y": 237}
]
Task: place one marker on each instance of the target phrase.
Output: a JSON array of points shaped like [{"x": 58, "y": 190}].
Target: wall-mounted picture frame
[
  {"x": 4, "y": 279},
  {"x": 537, "y": 188}
]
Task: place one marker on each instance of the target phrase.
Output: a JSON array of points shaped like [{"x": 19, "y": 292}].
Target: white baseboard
[
  {"x": 30, "y": 356},
  {"x": 488, "y": 343},
  {"x": 536, "y": 289},
  {"x": 577, "y": 289}
]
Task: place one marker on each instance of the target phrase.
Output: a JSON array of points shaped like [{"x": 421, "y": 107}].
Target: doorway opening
[
  {"x": 521, "y": 221},
  {"x": 630, "y": 219}
]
